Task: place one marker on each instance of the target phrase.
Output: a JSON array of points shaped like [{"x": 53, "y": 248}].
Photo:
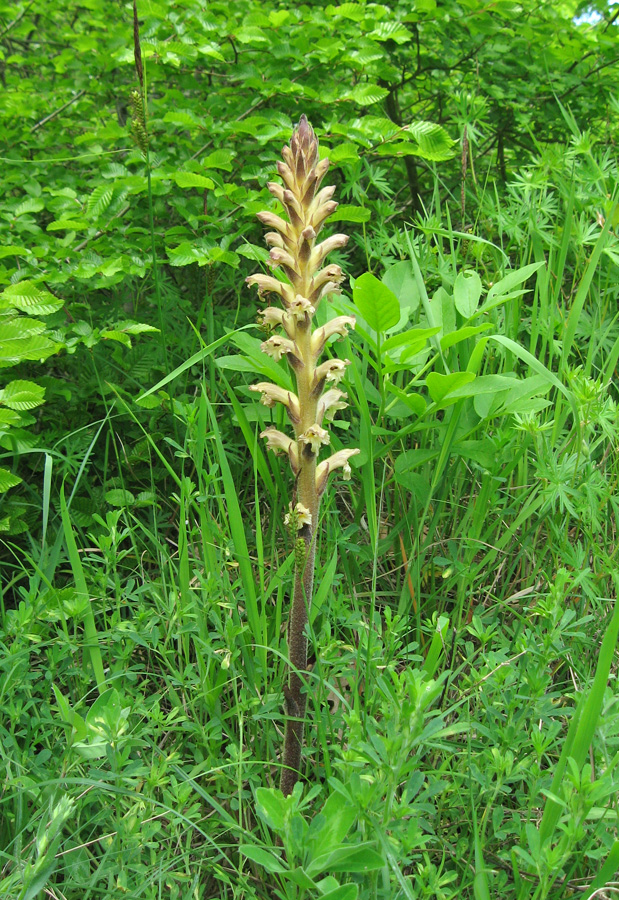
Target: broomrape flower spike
[{"x": 295, "y": 251}]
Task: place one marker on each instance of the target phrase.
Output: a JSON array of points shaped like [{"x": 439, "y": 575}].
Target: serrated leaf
[
  {"x": 13, "y": 250},
  {"x": 219, "y": 159},
  {"x": 114, "y": 335},
  {"x": 346, "y": 213},
  {"x": 21, "y": 327},
  {"x": 135, "y": 327},
  {"x": 29, "y": 205},
  {"x": 377, "y": 304},
  {"x": 35, "y": 347},
  {"x": 99, "y": 200},
  {"x": 183, "y": 255},
  {"x": 391, "y": 31},
  {"x": 342, "y": 152},
  {"x": 193, "y": 180},
  {"x": 433, "y": 141},
  {"x": 183, "y": 117},
  {"x": 67, "y": 224},
  {"x": 8, "y": 480},
  {"x": 353, "y": 11},
  {"x": 146, "y": 498},
  {"x": 366, "y": 94},
  {"x": 18, "y": 440},
  {"x": 211, "y": 50},
  {"x": 9, "y": 418},
  {"x": 251, "y": 251},
  {"x": 22, "y": 395},
  {"x": 30, "y": 298}
]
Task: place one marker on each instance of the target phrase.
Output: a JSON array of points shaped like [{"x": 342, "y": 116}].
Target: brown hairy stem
[{"x": 296, "y": 699}]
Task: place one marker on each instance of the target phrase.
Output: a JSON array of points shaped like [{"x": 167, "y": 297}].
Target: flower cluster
[{"x": 307, "y": 280}]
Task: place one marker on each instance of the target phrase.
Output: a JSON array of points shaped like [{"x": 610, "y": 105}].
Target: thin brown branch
[{"x": 58, "y": 111}]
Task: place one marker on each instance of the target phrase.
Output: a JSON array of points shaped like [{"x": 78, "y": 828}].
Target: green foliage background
[{"x": 467, "y": 575}]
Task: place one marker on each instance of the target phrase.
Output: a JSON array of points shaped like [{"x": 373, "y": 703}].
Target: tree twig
[{"x": 58, "y": 111}]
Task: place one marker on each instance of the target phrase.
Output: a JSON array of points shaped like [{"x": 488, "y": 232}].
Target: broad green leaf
[
  {"x": 347, "y": 858},
  {"x": 192, "y": 180},
  {"x": 443, "y": 311},
  {"x": 69, "y": 224},
  {"x": 400, "y": 278},
  {"x": 483, "y": 384},
  {"x": 278, "y": 17},
  {"x": 366, "y": 94},
  {"x": 119, "y": 336},
  {"x": 9, "y": 419},
  {"x": 13, "y": 250},
  {"x": 135, "y": 327},
  {"x": 21, "y": 395},
  {"x": 99, "y": 200},
  {"x": 8, "y": 480},
  {"x": 414, "y": 403},
  {"x": 20, "y": 328},
  {"x": 271, "y": 806},
  {"x": 219, "y": 159},
  {"x": 344, "y": 892},
  {"x": 118, "y": 497},
  {"x": 412, "y": 341},
  {"x": 391, "y": 31},
  {"x": 354, "y": 11},
  {"x": 512, "y": 280},
  {"x": 377, "y": 304},
  {"x": 440, "y": 386},
  {"x": 300, "y": 877},
  {"x": 343, "y": 152},
  {"x": 467, "y": 291},
  {"x": 29, "y": 205},
  {"x": 462, "y": 334},
  {"x": 184, "y": 117},
  {"x": 263, "y": 857},
  {"x": 30, "y": 298},
  {"x": 35, "y": 347},
  {"x": 330, "y": 826},
  {"x": 252, "y": 251},
  {"x": 433, "y": 141}
]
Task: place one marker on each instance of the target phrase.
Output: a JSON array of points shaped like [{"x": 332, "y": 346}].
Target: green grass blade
[
  {"x": 90, "y": 628},
  {"x": 256, "y": 620},
  {"x": 582, "y": 726},
  {"x": 192, "y": 361},
  {"x": 583, "y": 292}
]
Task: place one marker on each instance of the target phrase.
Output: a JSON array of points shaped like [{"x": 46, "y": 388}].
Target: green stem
[{"x": 151, "y": 221}]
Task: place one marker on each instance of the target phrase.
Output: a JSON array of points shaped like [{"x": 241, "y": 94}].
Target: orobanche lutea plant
[{"x": 308, "y": 280}]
